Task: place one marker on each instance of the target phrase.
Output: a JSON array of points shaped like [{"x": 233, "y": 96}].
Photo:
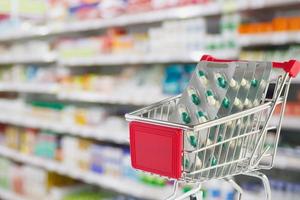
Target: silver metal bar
[
  {"x": 167, "y": 100},
  {"x": 286, "y": 77},
  {"x": 220, "y": 148},
  {"x": 205, "y": 151},
  {"x": 222, "y": 142},
  {"x": 264, "y": 180},
  {"x": 175, "y": 187},
  {"x": 237, "y": 115},
  {"x": 220, "y": 165},
  {"x": 236, "y": 187},
  {"x": 161, "y": 112},
  {"x": 241, "y": 132},
  {"x": 228, "y": 147},
  {"x": 280, "y": 121}
]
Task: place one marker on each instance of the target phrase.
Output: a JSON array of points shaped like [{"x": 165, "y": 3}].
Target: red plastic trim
[
  {"x": 292, "y": 66},
  {"x": 156, "y": 149}
]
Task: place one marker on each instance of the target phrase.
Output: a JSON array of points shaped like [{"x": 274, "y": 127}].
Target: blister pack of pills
[
  {"x": 250, "y": 94},
  {"x": 216, "y": 90},
  {"x": 202, "y": 99}
]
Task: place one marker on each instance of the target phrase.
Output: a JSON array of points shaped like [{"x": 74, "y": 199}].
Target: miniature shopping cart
[{"x": 157, "y": 145}]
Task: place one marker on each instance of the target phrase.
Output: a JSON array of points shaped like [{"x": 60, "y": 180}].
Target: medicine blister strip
[
  {"x": 201, "y": 102},
  {"x": 217, "y": 90},
  {"x": 257, "y": 87},
  {"x": 226, "y": 108}
]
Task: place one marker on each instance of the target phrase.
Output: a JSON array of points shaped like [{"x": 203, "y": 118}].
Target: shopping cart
[{"x": 157, "y": 145}]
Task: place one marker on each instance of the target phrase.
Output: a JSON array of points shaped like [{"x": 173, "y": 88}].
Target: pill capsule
[
  {"x": 237, "y": 102},
  {"x": 192, "y": 139},
  {"x": 202, "y": 77},
  {"x": 248, "y": 103},
  {"x": 225, "y": 103},
  {"x": 185, "y": 117},
  {"x": 213, "y": 161},
  {"x": 198, "y": 163},
  {"x": 194, "y": 96},
  {"x": 233, "y": 83},
  {"x": 229, "y": 123},
  {"x": 219, "y": 138},
  {"x": 232, "y": 144},
  {"x": 186, "y": 163},
  {"x": 209, "y": 142},
  {"x": 210, "y": 98},
  {"x": 255, "y": 102},
  {"x": 201, "y": 117},
  {"x": 245, "y": 83},
  {"x": 263, "y": 83},
  {"x": 221, "y": 80},
  {"x": 254, "y": 83}
]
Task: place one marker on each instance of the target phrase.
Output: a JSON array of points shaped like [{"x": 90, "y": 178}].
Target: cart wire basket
[{"x": 235, "y": 145}]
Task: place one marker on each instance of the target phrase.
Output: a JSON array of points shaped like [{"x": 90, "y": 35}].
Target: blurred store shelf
[
  {"x": 27, "y": 59},
  {"x": 80, "y": 96},
  {"x": 93, "y": 97},
  {"x": 145, "y": 59},
  {"x": 289, "y": 122},
  {"x": 125, "y": 20},
  {"x": 296, "y": 80},
  {"x": 191, "y": 11},
  {"x": 29, "y": 88},
  {"x": 117, "y": 184},
  {"x": 287, "y": 162},
  {"x": 98, "y": 133},
  {"x": 272, "y": 38},
  {"x": 9, "y": 195}
]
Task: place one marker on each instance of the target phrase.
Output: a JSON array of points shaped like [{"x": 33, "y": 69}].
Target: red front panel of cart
[{"x": 156, "y": 149}]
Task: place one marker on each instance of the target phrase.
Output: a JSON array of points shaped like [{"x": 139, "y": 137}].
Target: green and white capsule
[
  {"x": 221, "y": 80},
  {"x": 192, "y": 139},
  {"x": 194, "y": 96},
  {"x": 226, "y": 102},
  {"x": 201, "y": 117},
  {"x": 202, "y": 77},
  {"x": 213, "y": 161},
  {"x": 210, "y": 98},
  {"x": 254, "y": 83},
  {"x": 185, "y": 117}
]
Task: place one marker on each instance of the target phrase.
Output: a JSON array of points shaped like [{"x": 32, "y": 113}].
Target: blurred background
[{"x": 71, "y": 69}]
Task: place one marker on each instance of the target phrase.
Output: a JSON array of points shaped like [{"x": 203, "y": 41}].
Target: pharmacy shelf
[
  {"x": 287, "y": 162},
  {"x": 191, "y": 57},
  {"x": 29, "y": 88},
  {"x": 124, "y": 20},
  {"x": 117, "y": 184},
  {"x": 208, "y": 9},
  {"x": 97, "y": 133},
  {"x": 289, "y": 122},
  {"x": 296, "y": 80},
  {"x": 27, "y": 59},
  {"x": 272, "y": 38},
  {"x": 123, "y": 99},
  {"x": 9, "y": 195},
  {"x": 80, "y": 96}
]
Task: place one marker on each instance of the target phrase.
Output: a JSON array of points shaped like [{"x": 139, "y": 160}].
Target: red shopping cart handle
[{"x": 292, "y": 66}]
